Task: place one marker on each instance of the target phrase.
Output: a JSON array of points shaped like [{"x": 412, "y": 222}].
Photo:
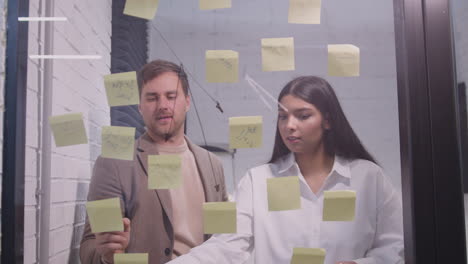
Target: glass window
[{"x": 69, "y": 94}]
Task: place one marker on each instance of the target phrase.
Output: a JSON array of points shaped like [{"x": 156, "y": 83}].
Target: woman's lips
[{"x": 293, "y": 140}]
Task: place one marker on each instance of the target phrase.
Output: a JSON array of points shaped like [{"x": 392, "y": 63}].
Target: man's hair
[{"x": 155, "y": 68}]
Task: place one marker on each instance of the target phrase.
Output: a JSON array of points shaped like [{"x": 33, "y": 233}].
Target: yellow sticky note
[
  {"x": 118, "y": 142},
  {"x": 339, "y": 205},
  {"x": 164, "y": 171},
  {"x": 68, "y": 129},
  {"x": 141, "y": 8},
  {"x": 304, "y": 11},
  {"x": 278, "y": 54},
  {"x": 122, "y": 89},
  {"x": 222, "y": 66},
  {"x": 214, "y": 4},
  {"x": 220, "y": 218},
  {"x": 131, "y": 258},
  {"x": 105, "y": 215},
  {"x": 343, "y": 60},
  {"x": 308, "y": 256},
  {"x": 283, "y": 193},
  {"x": 245, "y": 132}
]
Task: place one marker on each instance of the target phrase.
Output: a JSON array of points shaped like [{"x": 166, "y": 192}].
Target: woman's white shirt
[{"x": 374, "y": 237}]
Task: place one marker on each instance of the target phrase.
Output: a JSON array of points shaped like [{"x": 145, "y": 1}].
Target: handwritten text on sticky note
[
  {"x": 283, "y": 193},
  {"x": 343, "y": 60},
  {"x": 68, "y": 129},
  {"x": 245, "y": 132},
  {"x": 339, "y": 205},
  {"x": 105, "y": 215},
  {"x": 122, "y": 89},
  {"x": 141, "y": 8},
  {"x": 214, "y": 4},
  {"x": 131, "y": 258},
  {"x": 304, "y": 11},
  {"x": 278, "y": 54},
  {"x": 222, "y": 66},
  {"x": 308, "y": 256},
  {"x": 164, "y": 171},
  {"x": 219, "y": 217},
  {"x": 118, "y": 142}
]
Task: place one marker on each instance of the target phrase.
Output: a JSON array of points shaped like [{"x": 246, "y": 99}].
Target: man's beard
[{"x": 166, "y": 134}]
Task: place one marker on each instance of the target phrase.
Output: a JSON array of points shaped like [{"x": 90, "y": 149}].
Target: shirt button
[{"x": 167, "y": 251}]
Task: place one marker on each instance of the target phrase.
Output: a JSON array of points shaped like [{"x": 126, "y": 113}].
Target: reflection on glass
[
  {"x": 459, "y": 10},
  {"x": 335, "y": 193},
  {"x": 2, "y": 93}
]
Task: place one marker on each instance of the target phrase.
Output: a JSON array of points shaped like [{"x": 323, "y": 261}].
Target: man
[{"x": 165, "y": 223}]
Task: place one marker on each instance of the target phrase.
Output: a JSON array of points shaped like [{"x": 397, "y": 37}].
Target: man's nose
[{"x": 164, "y": 104}]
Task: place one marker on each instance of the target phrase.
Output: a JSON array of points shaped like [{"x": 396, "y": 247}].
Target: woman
[{"x": 315, "y": 142}]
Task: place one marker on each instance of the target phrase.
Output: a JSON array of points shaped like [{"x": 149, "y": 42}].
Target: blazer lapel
[
  {"x": 206, "y": 170},
  {"x": 145, "y": 148}
]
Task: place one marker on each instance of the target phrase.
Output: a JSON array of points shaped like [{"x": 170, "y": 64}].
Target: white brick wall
[
  {"x": 32, "y": 119},
  {"x": 77, "y": 87},
  {"x": 369, "y": 101}
]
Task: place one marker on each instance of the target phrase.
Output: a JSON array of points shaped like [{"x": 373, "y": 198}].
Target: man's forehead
[
  {"x": 160, "y": 88},
  {"x": 159, "y": 92}
]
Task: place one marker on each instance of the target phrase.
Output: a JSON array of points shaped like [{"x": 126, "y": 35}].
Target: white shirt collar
[{"x": 340, "y": 165}]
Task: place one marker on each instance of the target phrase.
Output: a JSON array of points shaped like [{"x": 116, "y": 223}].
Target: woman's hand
[{"x": 346, "y": 262}]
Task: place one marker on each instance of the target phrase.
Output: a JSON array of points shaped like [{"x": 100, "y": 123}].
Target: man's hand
[{"x": 109, "y": 243}]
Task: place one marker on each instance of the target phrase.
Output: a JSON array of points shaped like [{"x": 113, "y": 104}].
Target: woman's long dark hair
[{"x": 340, "y": 139}]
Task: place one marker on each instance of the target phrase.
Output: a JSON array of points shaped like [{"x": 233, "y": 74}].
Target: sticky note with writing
[
  {"x": 131, "y": 258},
  {"x": 308, "y": 256},
  {"x": 214, "y": 4},
  {"x": 122, "y": 89},
  {"x": 219, "y": 217},
  {"x": 304, "y": 11},
  {"x": 339, "y": 205},
  {"x": 68, "y": 129},
  {"x": 222, "y": 66},
  {"x": 118, "y": 142},
  {"x": 245, "y": 132},
  {"x": 164, "y": 171},
  {"x": 278, "y": 54},
  {"x": 141, "y": 8},
  {"x": 105, "y": 215},
  {"x": 283, "y": 193},
  {"x": 343, "y": 60}
]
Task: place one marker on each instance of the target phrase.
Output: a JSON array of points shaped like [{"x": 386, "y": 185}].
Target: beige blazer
[{"x": 150, "y": 211}]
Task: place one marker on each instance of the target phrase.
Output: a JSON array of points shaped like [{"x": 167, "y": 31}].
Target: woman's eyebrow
[
  {"x": 303, "y": 109},
  {"x": 299, "y": 110}
]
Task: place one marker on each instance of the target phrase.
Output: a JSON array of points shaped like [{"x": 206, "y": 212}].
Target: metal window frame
[
  {"x": 433, "y": 207},
  {"x": 14, "y": 133}
]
